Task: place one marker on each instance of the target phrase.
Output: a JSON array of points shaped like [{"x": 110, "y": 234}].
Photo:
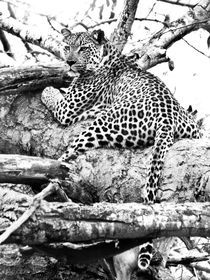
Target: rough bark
[
  {"x": 19, "y": 80},
  {"x": 129, "y": 224},
  {"x": 18, "y": 169},
  {"x": 35, "y": 171},
  {"x": 101, "y": 221},
  {"x": 121, "y": 33},
  {"x": 17, "y": 265},
  {"x": 118, "y": 175}
]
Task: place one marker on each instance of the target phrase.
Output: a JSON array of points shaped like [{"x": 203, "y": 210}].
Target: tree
[{"x": 115, "y": 176}]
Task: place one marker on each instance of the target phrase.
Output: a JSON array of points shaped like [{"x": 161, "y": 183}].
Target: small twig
[
  {"x": 195, "y": 48},
  {"x": 152, "y": 8},
  {"x": 52, "y": 187},
  {"x": 114, "y": 19},
  {"x": 177, "y": 3},
  {"x": 82, "y": 24},
  {"x": 184, "y": 26},
  {"x": 50, "y": 23}
]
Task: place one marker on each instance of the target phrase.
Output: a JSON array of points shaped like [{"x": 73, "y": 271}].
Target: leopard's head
[{"x": 83, "y": 50}]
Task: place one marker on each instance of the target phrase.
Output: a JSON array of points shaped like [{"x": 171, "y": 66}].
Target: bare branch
[
  {"x": 114, "y": 19},
  {"x": 6, "y": 44},
  {"x": 178, "y": 2},
  {"x": 123, "y": 30},
  {"x": 32, "y": 78},
  {"x": 154, "y": 50},
  {"x": 30, "y": 170},
  {"x": 51, "y": 188},
  {"x": 197, "y": 50},
  {"x": 51, "y": 42},
  {"x": 104, "y": 220}
]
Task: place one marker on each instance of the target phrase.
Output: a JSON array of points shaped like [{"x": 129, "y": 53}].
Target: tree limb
[
  {"x": 117, "y": 175},
  {"x": 177, "y": 2},
  {"x": 26, "y": 79},
  {"x": 103, "y": 220},
  {"x": 35, "y": 171},
  {"x": 123, "y": 30},
  {"x": 154, "y": 50},
  {"x": 51, "y": 42},
  {"x": 19, "y": 169}
]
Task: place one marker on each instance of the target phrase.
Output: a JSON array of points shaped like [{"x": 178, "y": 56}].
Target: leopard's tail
[{"x": 145, "y": 255}]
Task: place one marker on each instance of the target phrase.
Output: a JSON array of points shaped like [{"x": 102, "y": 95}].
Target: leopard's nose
[{"x": 71, "y": 62}]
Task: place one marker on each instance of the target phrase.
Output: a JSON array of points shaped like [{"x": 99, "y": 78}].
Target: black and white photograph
[{"x": 104, "y": 140}]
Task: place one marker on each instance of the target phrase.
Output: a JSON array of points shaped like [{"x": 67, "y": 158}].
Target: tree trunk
[
  {"x": 121, "y": 33},
  {"x": 117, "y": 175}
]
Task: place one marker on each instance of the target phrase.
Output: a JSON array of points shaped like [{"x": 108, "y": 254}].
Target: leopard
[{"x": 130, "y": 107}]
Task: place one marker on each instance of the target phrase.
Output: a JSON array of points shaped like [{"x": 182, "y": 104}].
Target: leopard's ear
[
  {"x": 98, "y": 36},
  {"x": 66, "y": 33}
]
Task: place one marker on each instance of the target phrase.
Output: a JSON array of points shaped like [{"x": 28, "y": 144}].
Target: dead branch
[
  {"x": 34, "y": 78},
  {"x": 51, "y": 42},
  {"x": 189, "y": 259},
  {"x": 179, "y": 3},
  {"x": 154, "y": 50},
  {"x": 102, "y": 221},
  {"x": 123, "y": 30},
  {"x": 36, "y": 171},
  {"x": 19, "y": 169},
  {"x": 114, "y": 20},
  {"x": 51, "y": 188}
]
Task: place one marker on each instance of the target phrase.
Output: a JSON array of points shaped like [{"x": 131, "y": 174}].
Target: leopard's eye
[
  {"x": 67, "y": 48},
  {"x": 83, "y": 48}
]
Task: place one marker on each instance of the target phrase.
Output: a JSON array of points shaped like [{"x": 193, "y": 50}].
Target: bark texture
[
  {"x": 70, "y": 222},
  {"x": 121, "y": 33},
  {"x": 30, "y": 170},
  {"x": 26, "y": 127},
  {"x": 118, "y": 175},
  {"x": 32, "y": 78}
]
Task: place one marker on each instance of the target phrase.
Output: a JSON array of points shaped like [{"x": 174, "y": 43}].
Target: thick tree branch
[
  {"x": 35, "y": 171},
  {"x": 103, "y": 220},
  {"x": 19, "y": 169},
  {"x": 117, "y": 175},
  {"x": 154, "y": 51},
  {"x": 51, "y": 42},
  {"x": 35, "y": 78},
  {"x": 123, "y": 30}
]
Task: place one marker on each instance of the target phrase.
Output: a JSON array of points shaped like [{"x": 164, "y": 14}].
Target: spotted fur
[{"x": 131, "y": 108}]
